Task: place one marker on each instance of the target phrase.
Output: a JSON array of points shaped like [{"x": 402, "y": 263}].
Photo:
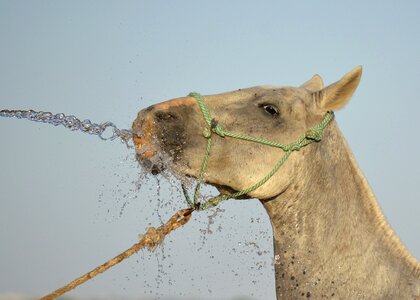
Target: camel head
[{"x": 169, "y": 135}]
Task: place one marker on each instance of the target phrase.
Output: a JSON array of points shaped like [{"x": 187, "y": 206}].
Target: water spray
[{"x": 105, "y": 131}]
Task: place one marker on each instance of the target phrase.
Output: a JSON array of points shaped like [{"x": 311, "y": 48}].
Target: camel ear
[
  {"x": 336, "y": 95},
  {"x": 314, "y": 84}
]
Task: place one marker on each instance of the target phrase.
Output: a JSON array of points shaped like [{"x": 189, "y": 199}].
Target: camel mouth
[
  {"x": 148, "y": 155},
  {"x": 145, "y": 144},
  {"x": 142, "y": 139},
  {"x": 227, "y": 190},
  {"x": 151, "y": 166}
]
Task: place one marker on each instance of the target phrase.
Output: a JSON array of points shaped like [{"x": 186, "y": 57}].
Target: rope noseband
[{"x": 314, "y": 134}]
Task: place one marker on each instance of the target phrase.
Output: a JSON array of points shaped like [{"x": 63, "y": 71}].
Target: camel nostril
[{"x": 164, "y": 116}]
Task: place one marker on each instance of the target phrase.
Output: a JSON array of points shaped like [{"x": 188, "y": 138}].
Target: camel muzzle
[{"x": 159, "y": 133}]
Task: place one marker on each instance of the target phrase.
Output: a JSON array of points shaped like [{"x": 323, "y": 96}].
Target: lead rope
[
  {"x": 314, "y": 134},
  {"x": 150, "y": 240}
]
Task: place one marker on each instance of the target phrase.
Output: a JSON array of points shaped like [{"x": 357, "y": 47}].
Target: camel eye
[{"x": 271, "y": 109}]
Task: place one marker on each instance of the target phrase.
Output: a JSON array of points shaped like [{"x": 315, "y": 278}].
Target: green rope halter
[{"x": 314, "y": 134}]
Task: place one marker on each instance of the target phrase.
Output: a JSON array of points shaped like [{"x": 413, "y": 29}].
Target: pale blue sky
[{"x": 62, "y": 192}]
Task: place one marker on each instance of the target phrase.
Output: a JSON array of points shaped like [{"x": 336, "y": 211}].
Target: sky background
[{"x": 70, "y": 201}]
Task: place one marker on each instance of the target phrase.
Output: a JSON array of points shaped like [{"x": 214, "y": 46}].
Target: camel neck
[{"x": 330, "y": 236}]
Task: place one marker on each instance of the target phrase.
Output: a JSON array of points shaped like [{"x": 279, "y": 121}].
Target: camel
[{"x": 331, "y": 240}]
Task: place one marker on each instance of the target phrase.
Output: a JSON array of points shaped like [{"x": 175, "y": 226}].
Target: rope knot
[
  {"x": 216, "y": 128},
  {"x": 207, "y": 133},
  {"x": 293, "y": 147},
  {"x": 152, "y": 238},
  {"x": 315, "y": 135}
]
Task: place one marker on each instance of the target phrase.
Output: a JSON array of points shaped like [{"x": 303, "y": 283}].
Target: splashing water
[
  {"x": 105, "y": 131},
  {"x": 128, "y": 190},
  {"x": 211, "y": 219}
]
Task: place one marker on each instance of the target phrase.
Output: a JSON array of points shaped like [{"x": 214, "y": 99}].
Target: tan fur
[
  {"x": 337, "y": 95},
  {"x": 381, "y": 222},
  {"x": 314, "y": 84},
  {"x": 331, "y": 239}
]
